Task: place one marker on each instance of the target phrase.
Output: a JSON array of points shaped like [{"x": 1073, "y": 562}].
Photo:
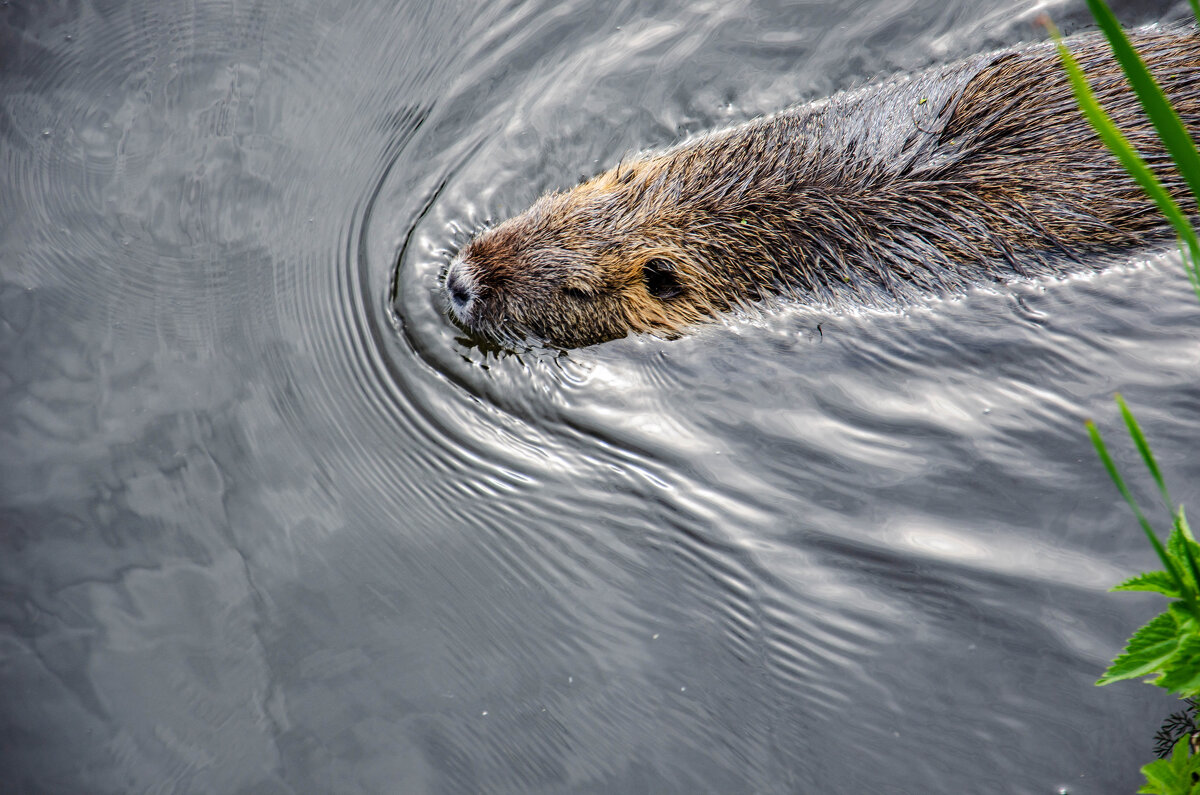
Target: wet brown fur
[{"x": 979, "y": 171}]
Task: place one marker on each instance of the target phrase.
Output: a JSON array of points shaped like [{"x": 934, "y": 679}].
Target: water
[{"x": 261, "y": 533}]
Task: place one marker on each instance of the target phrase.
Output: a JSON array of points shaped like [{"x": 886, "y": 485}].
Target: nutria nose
[{"x": 461, "y": 289}]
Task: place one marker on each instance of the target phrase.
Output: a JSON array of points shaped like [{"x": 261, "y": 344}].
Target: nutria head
[{"x": 595, "y": 263}]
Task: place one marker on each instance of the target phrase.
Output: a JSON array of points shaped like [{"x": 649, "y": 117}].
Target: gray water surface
[{"x": 264, "y": 530}]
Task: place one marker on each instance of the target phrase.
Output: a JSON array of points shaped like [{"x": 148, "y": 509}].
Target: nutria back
[{"x": 980, "y": 171}]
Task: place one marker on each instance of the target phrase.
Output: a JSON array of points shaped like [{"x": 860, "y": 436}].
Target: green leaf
[
  {"x": 1190, "y": 549},
  {"x": 1139, "y": 439},
  {"x": 1181, "y": 674},
  {"x": 1187, "y": 617},
  {"x": 1106, "y": 459},
  {"x": 1119, "y": 145},
  {"x": 1146, "y": 652},
  {"x": 1184, "y": 551},
  {"x": 1157, "y": 581},
  {"x": 1173, "y": 775},
  {"x": 1158, "y": 108}
]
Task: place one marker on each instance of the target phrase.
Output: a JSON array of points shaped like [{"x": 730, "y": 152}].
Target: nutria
[{"x": 983, "y": 170}]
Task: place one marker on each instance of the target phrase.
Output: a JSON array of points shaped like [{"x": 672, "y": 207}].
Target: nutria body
[{"x": 980, "y": 171}]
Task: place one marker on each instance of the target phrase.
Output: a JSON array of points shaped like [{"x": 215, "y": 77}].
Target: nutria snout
[
  {"x": 983, "y": 170},
  {"x": 460, "y": 287}
]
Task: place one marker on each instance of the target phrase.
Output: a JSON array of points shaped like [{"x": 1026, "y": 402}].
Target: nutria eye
[{"x": 660, "y": 278}]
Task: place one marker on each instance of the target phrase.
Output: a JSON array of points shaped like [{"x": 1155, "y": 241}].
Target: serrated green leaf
[
  {"x": 1187, "y": 617},
  {"x": 1146, "y": 652},
  {"x": 1173, "y": 775},
  {"x": 1181, "y": 673},
  {"x": 1157, "y": 581}
]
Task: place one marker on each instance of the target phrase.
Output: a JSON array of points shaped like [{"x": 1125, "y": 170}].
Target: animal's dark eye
[{"x": 661, "y": 279}]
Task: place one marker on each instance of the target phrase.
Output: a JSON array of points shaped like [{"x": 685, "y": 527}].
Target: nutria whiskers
[{"x": 979, "y": 171}]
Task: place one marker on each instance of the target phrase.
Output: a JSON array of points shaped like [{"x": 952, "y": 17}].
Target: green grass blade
[
  {"x": 1189, "y": 555},
  {"x": 1190, "y": 264},
  {"x": 1106, "y": 459},
  {"x": 1162, "y": 115},
  {"x": 1158, "y": 108},
  {"x": 1139, "y": 439},
  {"x": 1182, "y": 551},
  {"x": 1191, "y": 561},
  {"x": 1129, "y": 158}
]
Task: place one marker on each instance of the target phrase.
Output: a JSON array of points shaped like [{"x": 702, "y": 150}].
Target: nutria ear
[
  {"x": 662, "y": 281},
  {"x": 578, "y": 287}
]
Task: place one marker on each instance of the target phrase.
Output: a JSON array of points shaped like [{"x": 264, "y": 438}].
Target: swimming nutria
[{"x": 980, "y": 171}]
